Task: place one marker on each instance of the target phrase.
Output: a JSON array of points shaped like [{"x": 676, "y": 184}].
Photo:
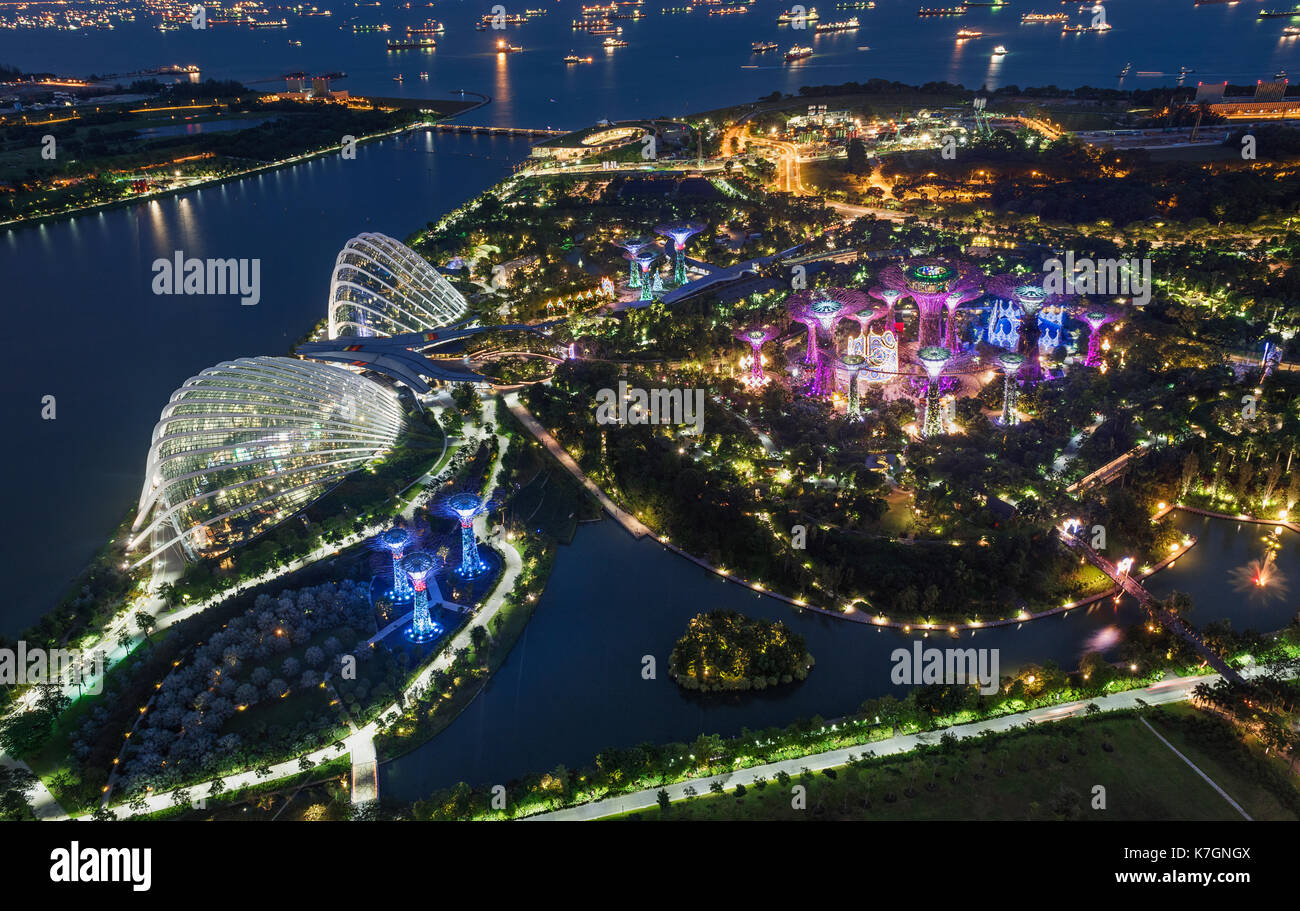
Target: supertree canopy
[
  {"x": 755, "y": 336},
  {"x": 397, "y": 541},
  {"x": 933, "y": 358},
  {"x": 680, "y": 232},
  {"x": 890, "y": 296},
  {"x": 418, "y": 567},
  {"x": 1027, "y": 290},
  {"x": 1011, "y": 364},
  {"x": 1095, "y": 320},
  {"x": 821, "y": 310},
  {"x": 464, "y": 507},
  {"x": 930, "y": 282},
  {"x": 634, "y": 246}
]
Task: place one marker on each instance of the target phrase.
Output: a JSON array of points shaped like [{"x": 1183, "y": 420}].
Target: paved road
[{"x": 1175, "y": 690}]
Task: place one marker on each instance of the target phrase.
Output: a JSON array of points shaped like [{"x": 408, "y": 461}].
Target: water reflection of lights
[
  {"x": 1103, "y": 639},
  {"x": 1261, "y": 579}
]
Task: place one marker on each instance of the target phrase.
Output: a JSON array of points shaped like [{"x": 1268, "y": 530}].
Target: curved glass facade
[
  {"x": 247, "y": 443},
  {"x": 380, "y": 286}
]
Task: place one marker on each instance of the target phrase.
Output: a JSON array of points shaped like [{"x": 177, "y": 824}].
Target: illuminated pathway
[
  {"x": 1177, "y": 689},
  {"x": 634, "y": 525}
]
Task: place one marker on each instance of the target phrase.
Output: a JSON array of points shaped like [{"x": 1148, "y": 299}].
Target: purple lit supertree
[
  {"x": 821, "y": 310},
  {"x": 680, "y": 232},
  {"x": 1028, "y": 291},
  {"x": 954, "y": 300},
  {"x": 642, "y": 262},
  {"x": 1095, "y": 320},
  {"x": 933, "y": 358},
  {"x": 419, "y": 566},
  {"x": 755, "y": 336},
  {"x": 634, "y": 246},
  {"x": 890, "y": 296},
  {"x": 397, "y": 541},
  {"x": 464, "y": 507},
  {"x": 930, "y": 282}
]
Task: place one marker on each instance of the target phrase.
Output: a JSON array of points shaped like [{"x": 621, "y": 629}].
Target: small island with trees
[{"x": 724, "y": 650}]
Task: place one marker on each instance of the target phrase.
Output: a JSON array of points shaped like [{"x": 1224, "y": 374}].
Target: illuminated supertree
[
  {"x": 642, "y": 262},
  {"x": 954, "y": 300},
  {"x": 933, "y": 358},
  {"x": 397, "y": 540},
  {"x": 890, "y": 296},
  {"x": 852, "y": 364},
  {"x": 680, "y": 232},
  {"x": 1026, "y": 290},
  {"x": 756, "y": 336},
  {"x": 634, "y": 246},
  {"x": 418, "y": 567},
  {"x": 821, "y": 310},
  {"x": 930, "y": 282},
  {"x": 465, "y": 506},
  {"x": 1095, "y": 320},
  {"x": 1011, "y": 364}
]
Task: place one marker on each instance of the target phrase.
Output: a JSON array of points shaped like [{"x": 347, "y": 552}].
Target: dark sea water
[{"x": 690, "y": 62}]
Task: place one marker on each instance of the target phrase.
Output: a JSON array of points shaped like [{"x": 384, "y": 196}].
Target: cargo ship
[
  {"x": 613, "y": 42},
  {"x": 505, "y": 47},
  {"x": 574, "y": 58},
  {"x": 412, "y": 44},
  {"x": 1027, "y": 18},
  {"x": 1291, "y": 31},
  {"x": 798, "y": 53},
  {"x": 927, "y": 11},
  {"x": 847, "y": 25},
  {"x": 810, "y": 15},
  {"x": 1279, "y": 14},
  {"x": 1099, "y": 27},
  {"x": 964, "y": 34},
  {"x": 762, "y": 47},
  {"x": 429, "y": 28}
]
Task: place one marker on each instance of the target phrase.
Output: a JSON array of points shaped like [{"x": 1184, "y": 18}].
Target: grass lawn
[{"x": 1023, "y": 776}]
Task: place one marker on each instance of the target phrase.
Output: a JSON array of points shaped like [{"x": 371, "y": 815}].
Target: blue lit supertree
[
  {"x": 396, "y": 541},
  {"x": 634, "y": 246},
  {"x": 679, "y": 232},
  {"x": 419, "y": 566},
  {"x": 465, "y": 506}
]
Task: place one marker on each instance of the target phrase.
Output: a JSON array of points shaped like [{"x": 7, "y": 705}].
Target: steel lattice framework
[
  {"x": 382, "y": 287},
  {"x": 247, "y": 443}
]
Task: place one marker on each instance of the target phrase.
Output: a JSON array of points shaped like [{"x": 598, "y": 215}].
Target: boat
[
  {"x": 359, "y": 29},
  {"x": 1291, "y": 31},
  {"x": 798, "y": 53},
  {"x": 1279, "y": 13},
  {"x": 926, "y": 11},
  {"x": 613, "y": 42},
  {"x": 512, "y": 19},
  {"x": 1280, "y": 74},
  {"x": 432, "y": 27},
  {"x": 761, "y": 47},
  {"x": 412, "y": 44},
  {"x": 1099, "y": 27},
  {"x": 615, "y": 30},
  {"x": 1124, "y": 72},
  {"x": 293, "y": 42},
  {"x": 398, "y": 78},
  {"x": 847, "y": 25},
  {"x": 809, "y": 15},
  {"x": 1027, "y": 18},
  {"x": 965, "y": 33},
  {"x": 574, "y": 58},
  {"x": 999, "y": 51},
  {"x": 424, "y": 76},
  {"x": 270, "y": 23},
  {"x": 505, "y": 47}
]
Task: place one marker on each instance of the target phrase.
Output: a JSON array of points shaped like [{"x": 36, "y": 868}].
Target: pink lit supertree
[
  {"x": 1028, "y": 291},
  {"x": 821, "y": 309},
  {"x": 755, "y": 336},
  {"x": 931, "y": 282},
  {"x": 1095, "y": 318},
  {"x": 890, "y": 296}
]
